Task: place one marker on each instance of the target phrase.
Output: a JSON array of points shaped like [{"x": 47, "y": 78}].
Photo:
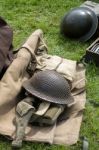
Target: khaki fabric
[
  {"x": 49, "y": 62},
  {"x": 65, "y": 132}
]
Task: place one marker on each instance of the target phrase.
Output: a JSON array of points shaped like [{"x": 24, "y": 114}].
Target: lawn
[{"x": 24, "y": 16}]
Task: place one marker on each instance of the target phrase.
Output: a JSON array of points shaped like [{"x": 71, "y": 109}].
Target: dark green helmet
[
  {"x": 49, "y": 86},
  {"x": 80, "y": 23}
]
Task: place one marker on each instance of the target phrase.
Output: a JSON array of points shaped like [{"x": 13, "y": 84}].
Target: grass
[{"x": 26, "y": 16}]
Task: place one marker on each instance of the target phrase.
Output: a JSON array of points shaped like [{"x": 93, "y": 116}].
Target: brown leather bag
[{"x": 6, "y": 37}]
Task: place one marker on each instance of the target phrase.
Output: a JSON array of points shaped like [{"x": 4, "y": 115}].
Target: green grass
[{"x": 24, "y": 16}]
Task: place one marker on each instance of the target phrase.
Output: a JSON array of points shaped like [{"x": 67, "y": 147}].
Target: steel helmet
[
  {"x": 80, "y": 23},
  {"x": 49, "y": 86}
]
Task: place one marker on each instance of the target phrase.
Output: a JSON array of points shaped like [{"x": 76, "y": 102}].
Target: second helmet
[{"x": 80, "y": 23}]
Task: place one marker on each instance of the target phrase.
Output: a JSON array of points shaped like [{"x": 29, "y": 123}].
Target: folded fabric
[{"x": 65, "y": 132}]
